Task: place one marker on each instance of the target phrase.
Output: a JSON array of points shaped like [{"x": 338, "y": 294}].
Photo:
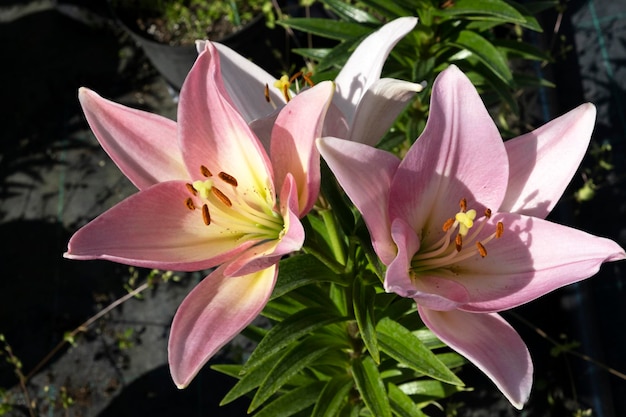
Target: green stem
[
  {"x": 330, "y": 263},
  {"x": 336, "y": 242}
]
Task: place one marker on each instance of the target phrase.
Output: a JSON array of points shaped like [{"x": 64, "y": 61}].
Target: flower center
[
  {"x": 222, "y": 204},
  {"x": 457, "y": 243},
  {"x": 284, "y": 84}
]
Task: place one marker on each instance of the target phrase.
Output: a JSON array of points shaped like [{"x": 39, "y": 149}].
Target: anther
[
  {"x": 267, "y": 93},
  {"x": 481, "y": 249},
  {"x": 189, "y": 204},
  {"x": 463, "y": 205},
  {"x": 222, "y": 197},
  {"x": 191, "y": 189},
  {"x": 458, "y": 242},
  {"x": 206, "y": 216},
  {"x": 205, "y": 171},
  {"x": 499, "y": 230},
  {"x": 228, "y": 178},
  {"x": 448, "y": 224},
  {"x": 307, "y": 79},
  {"x": 488, "y": 213}
]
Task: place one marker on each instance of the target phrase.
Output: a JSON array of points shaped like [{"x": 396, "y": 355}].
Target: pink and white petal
[
  {"x": 459, "y": 155},
  {"x": 143, "y": 145},
  {"x": 543, "y": 162},
  {"x": 245, "y": 82},
  {"x": 270, "y": 252},
  {"x": 213, "y": 133},
  {"x": 364, "y": 66},
  {"x": 491, "y": 344},
  {"x": 155, "y": 229},
  {"x": 429, "y": 291},
  {"x": 335, "y": 124},
  {"x": 532, "y": 258},
  {"x": 213, "y": 313},
  {"x": 365, "y": 175},
  {"x": 292, "y": 149},
  {"x": 379, "y": 107}
]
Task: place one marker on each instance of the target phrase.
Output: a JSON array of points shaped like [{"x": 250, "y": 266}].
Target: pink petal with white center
[
  {"x": 245, "y": 83},
  {"x": 428, "y": 291},
  {"x": 292, "y": 148},
  {"x": 379, "y": 107},
  {"x": 532, "y": 258},
  {"x": 143, "y": 145},
  {"x": 365, "y": 175},
  {"x": 155, "y": 229},
  {"x": 491, "y": 344},
  {"x": 268, "y": 253},
  {"x": 459, "y": 155},
  {"x": 543, "y": 162},
  {"x": 213, "y": 313},
  {"x": 364, "y": 66},
  {"x": 213, "y": 133}
]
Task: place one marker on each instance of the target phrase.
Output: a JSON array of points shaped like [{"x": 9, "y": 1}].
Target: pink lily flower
[
  {"x": 364, "y": 106},
  {"x": 206, "y": 197},
  {"x": 459, "y": 222}
]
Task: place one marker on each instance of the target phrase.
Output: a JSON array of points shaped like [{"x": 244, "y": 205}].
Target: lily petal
[
  {"x": 365, "y": 175},
  {"x": 155, "y": 229},
  {"x": 552, "y": 151},
  {"x": 491, "y": 344},
  {"x": 379, "y": 107},
  {"x": 213, "y": 132},
  {"x": 214, "y": 312},
  {"x": 465, "y": 159},
  {"x": 532, "y": 258},
  {"x": 292, "y": 148},
  {"x": 142, "y": 144},
  {"x": 365, "y": 64}
]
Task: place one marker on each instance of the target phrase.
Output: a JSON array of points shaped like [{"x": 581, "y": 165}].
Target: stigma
[{"x": 459, "y": 241}]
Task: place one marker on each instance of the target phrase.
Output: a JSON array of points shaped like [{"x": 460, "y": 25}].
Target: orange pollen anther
[
  {"x": 458, "y": 242},
  {"x": 448, "y": 224},
  {"x": 267, "y": 93},
  {"x": 227, "y": 178},
  {"x": 191, "y": 189},
  {"x": 205, "y": 171},
  {"x": 499, "y": 230},
  {"x": 222, "y": 197},
  {"x": 463, "y": 205},
  {"x": 481, "y": 249},
  {"x": 189, "y": 204},
  {"x": 488, "y": 213},
  {"x": 206, "y": 216}
]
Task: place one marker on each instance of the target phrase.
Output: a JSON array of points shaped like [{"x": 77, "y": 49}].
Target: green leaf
[
  {"x": 316, "y": 54},
  {"x": 402, "y": 345},
  {"x": 363, "y": 304},
  {"x": 426, "y": 390},
  {"x": 301, "y": 270},
  {"x": 484, "y": 51},
  {"x": 483, "y": 9},
  {"x": 401, "y": 404},
  {"x": 327, "y": 28},
  {"x": 391, "y": 9},
  {"x": 292, "y": 362},
  {"x": 370, "y": 386},
  {"x": 347, "y": 11},
  {"x": 294, "y": 401},
  {"x": 228, "y": 369},
  {"x": 291, "y": 329},
  {"x": 333, "y": 396},
  {"x": 517, "y": 49}
]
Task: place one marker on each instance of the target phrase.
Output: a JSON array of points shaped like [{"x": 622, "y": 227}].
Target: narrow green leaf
[
  {"x": 333, "y": 396},
  {"x": 300, "y": 270},
  {"x": 327, "y": 28},
  {"x": 370, "y": 386},
  {"x": 425, "y": 390},
  {"x": 349, "y": 12},
  {"x": 293, "y": 402},
  {"x": 228, "y": 369},
  {"x": 391, "y": 9},
  {"x": 401, "y": 404},
  {"x": 402, "y": 345},
  {"x": 484, "y": 51},
  {"x": 496, "y": 9},
  {"x": 363, "y": 304},
  {"x": 292, "y": 362},
  {"x": 290, "y": 330},
  {"x": 312, "y": 53},
  {"x": 517, "y": 49}
]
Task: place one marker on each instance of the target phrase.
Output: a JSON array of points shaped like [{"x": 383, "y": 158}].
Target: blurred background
[{"x": 54, "y": 178}]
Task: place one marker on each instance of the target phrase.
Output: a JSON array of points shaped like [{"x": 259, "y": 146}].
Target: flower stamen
[
  {"x": 206, "y": 216},
  {"x": 205, "y": 171},
  {"x": 227, "y": 178}
]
